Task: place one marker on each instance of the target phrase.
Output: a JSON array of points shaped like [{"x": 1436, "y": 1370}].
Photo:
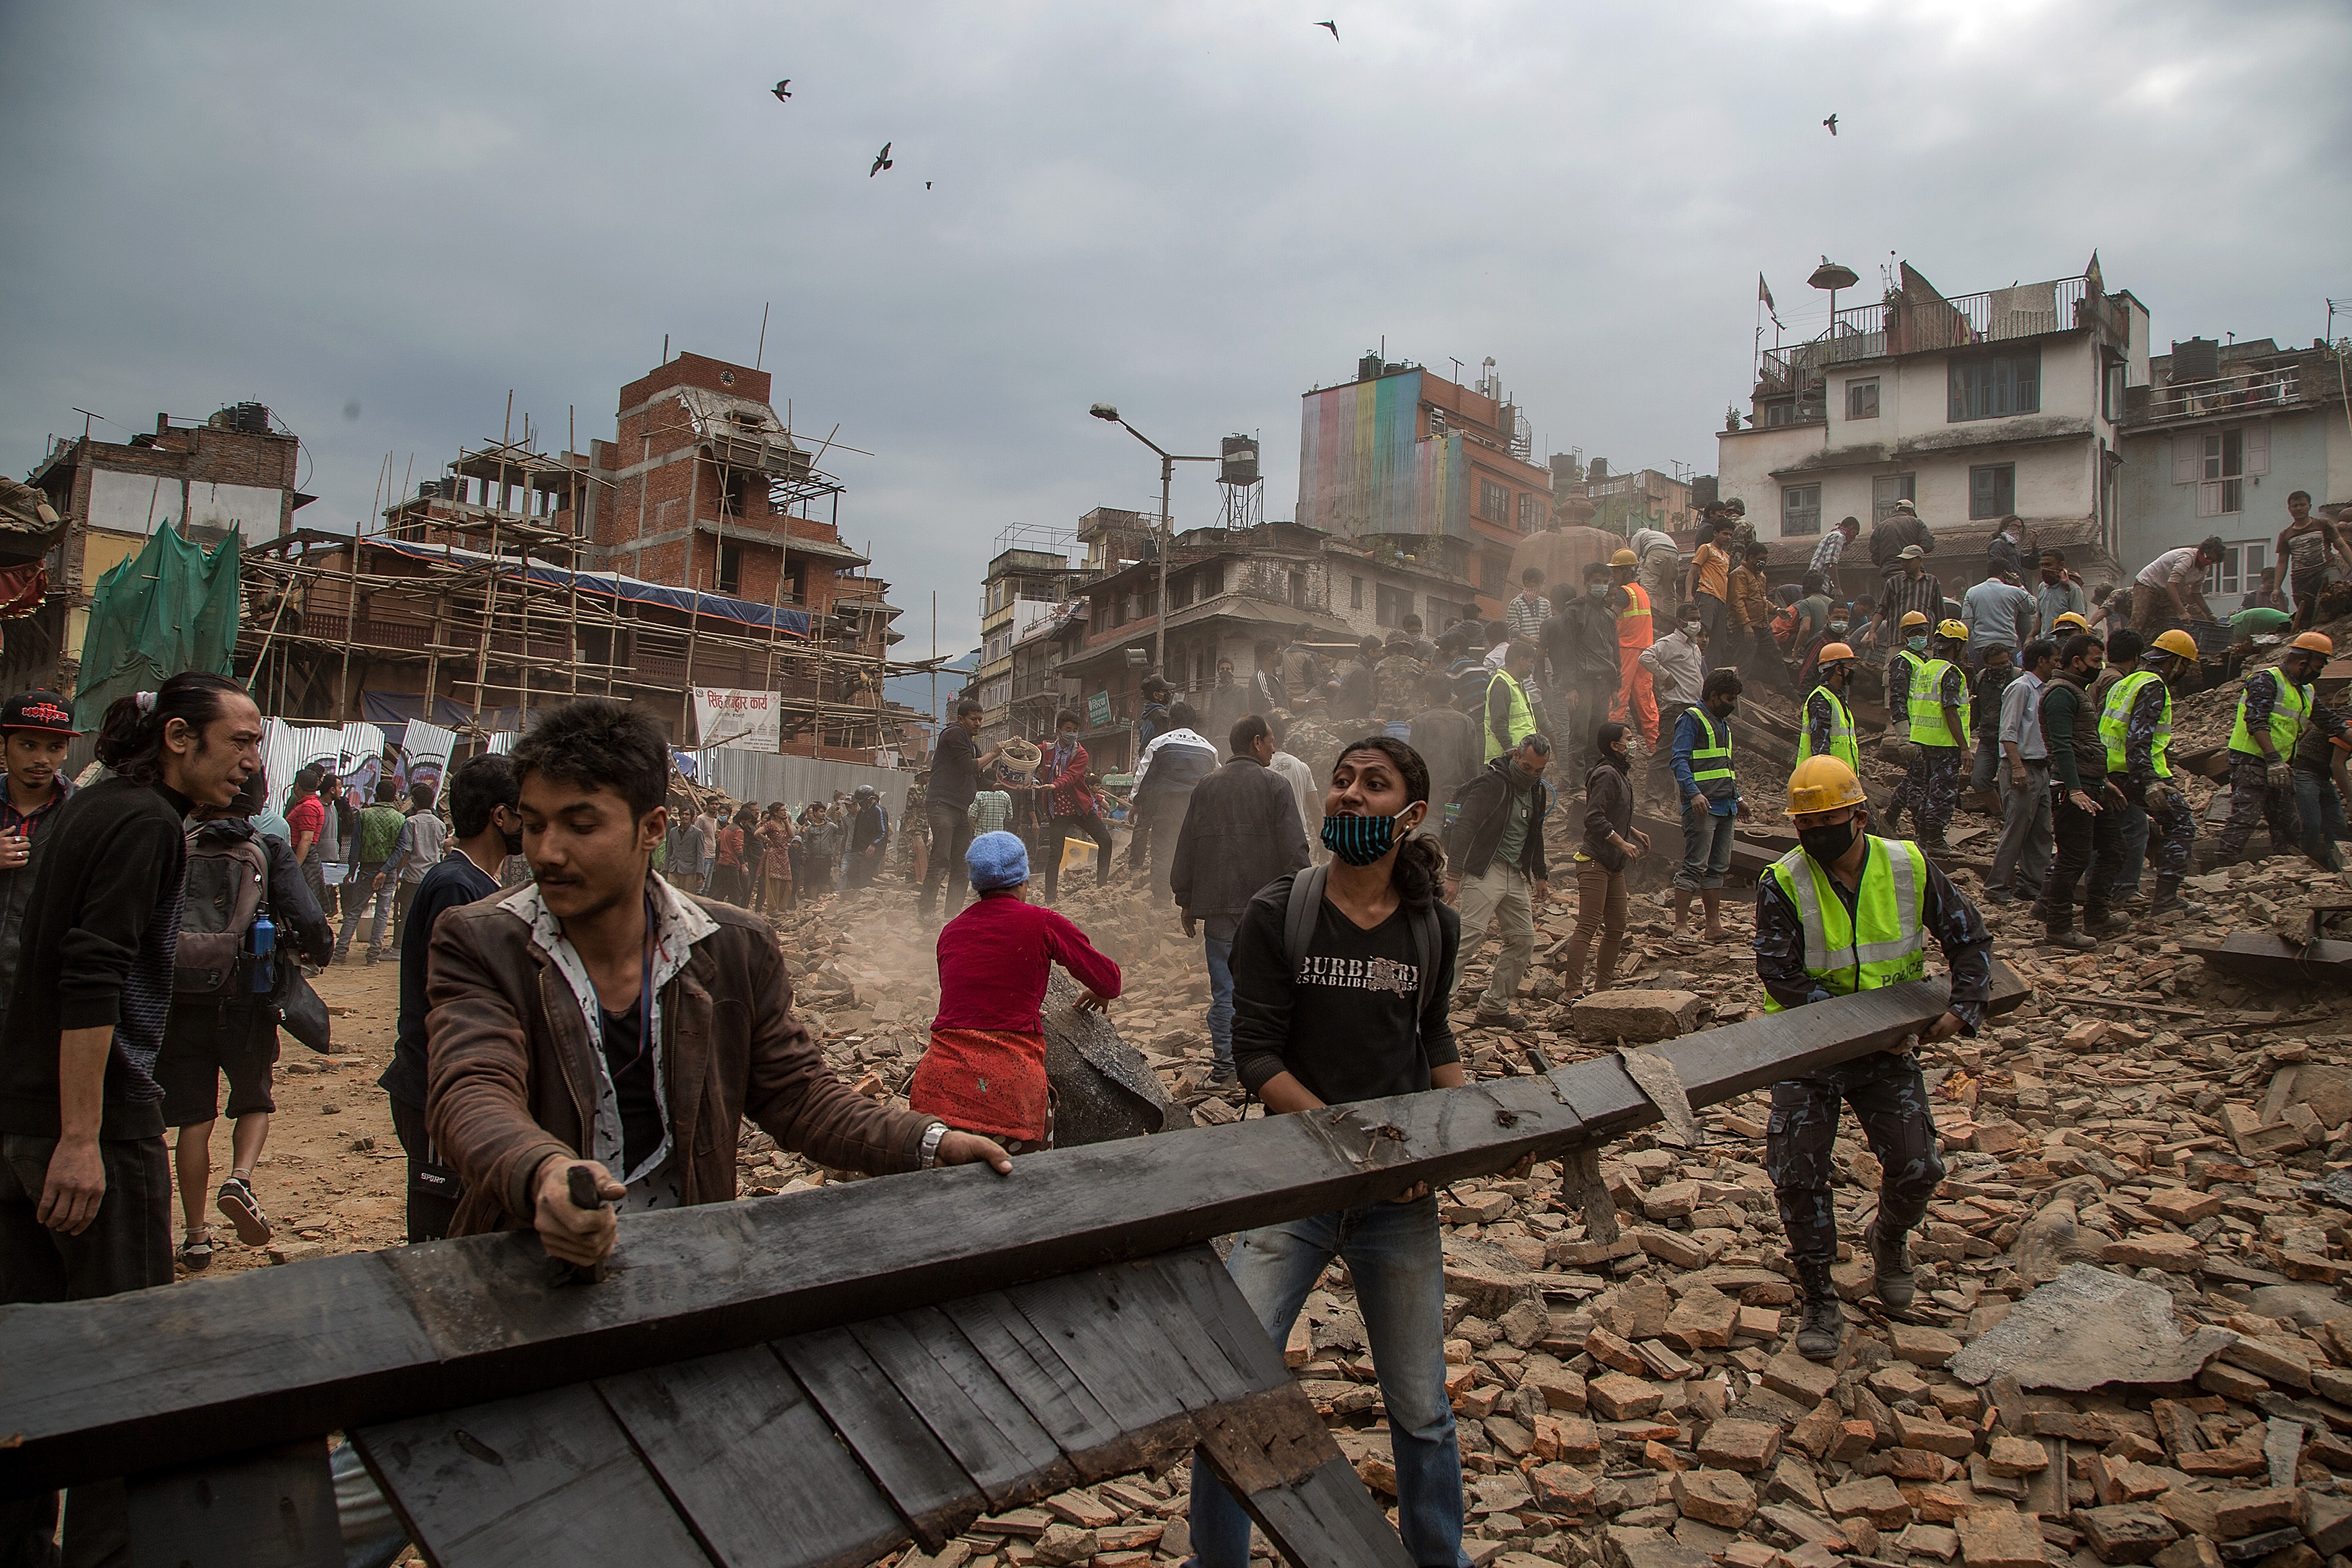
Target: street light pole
[{"x": 1167, "y": 461}]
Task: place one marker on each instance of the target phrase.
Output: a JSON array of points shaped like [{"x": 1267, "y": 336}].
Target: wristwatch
[{"x": 931, "y": 1148}]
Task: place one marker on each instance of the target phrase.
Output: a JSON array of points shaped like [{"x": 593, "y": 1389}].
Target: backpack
[
  {"x": 228, "y": 880},
  {"x": 1307, "y": 902}
]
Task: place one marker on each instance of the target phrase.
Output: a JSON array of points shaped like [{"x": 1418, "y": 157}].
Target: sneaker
[
  {"x": 1225, "y": 1074},
  {"x": 235, "y": 1200},
  {"x": 1486, "y": 1020}
]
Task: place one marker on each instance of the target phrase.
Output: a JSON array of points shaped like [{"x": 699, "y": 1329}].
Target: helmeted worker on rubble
[
  {"x": 2274, "y": 710},
  {"x": 1847, "y": 912},
  {"x": 1637, "y": 701},
  {"x": 2137, "y": 725},
  {"x": 1941, "y": 741},
  {"x": 1825, "y": 724},
  {"x": 1909, "y": 657}
]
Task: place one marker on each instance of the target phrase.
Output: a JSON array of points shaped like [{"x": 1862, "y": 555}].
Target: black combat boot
[
  {"x": 1894, "y": 1284},
  {"x": 1821, "y": 1328}
]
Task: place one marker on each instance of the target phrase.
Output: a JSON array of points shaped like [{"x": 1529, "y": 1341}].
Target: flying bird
[
  {"x": 782, "y": 89},
  {"x": 1334, "y": 27},
  {"x": 1832, "y": 124},
  {"x": 927, "y": 185},
  {"x": 881, "y": 161}
]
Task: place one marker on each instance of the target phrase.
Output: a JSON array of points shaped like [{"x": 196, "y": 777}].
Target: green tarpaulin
[{"x": 171, "y": 607}]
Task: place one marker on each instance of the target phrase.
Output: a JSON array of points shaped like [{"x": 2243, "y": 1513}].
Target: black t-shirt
[
  {"x": 1344, "y": 1025},
  {"x": 631, "y": 1062},
  {"x": 456, "y": 881},
  {"x": 955, "y": 769}
]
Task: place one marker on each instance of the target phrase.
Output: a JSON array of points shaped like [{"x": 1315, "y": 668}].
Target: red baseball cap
[{"x": 45, "y": 712}]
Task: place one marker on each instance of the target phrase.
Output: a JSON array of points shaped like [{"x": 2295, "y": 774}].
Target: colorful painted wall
[{"x": 1365, "y": 469}]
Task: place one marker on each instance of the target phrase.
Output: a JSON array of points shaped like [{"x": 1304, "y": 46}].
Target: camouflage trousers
[
  {"x": 1930, "y": 790},
  {"x": 1889, "y": 1097},
  {"x": 2251, "y": 799},
  {"x": 2169, "y": 838}
]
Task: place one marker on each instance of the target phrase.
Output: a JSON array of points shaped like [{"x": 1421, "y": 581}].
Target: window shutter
[
  {"x": 2208, "y": 498},
  {"x": 2257, "y": 449},
  {"x": 2188, "y": 462}
]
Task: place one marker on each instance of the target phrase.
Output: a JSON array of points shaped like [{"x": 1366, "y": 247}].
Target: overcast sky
[{"x": 378, "y": 220}]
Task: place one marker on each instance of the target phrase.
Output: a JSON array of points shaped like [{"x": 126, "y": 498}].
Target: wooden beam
[{"x": 280, "y": 1354}]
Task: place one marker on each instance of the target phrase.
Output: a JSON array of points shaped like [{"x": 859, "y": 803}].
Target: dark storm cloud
[{"x": 1195, "y": 212}]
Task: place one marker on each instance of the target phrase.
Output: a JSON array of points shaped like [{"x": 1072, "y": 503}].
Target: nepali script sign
[{"x": 747, "y": 721}]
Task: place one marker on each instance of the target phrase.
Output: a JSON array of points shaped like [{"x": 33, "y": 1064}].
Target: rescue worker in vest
[
  {"x": 1940, "y": 738},
  {"x": 1510, "y": 717},
  {"x": 2087, "y": 811},
  {"x": 1848, "y": 911},
  {"x": 1637, "y": 701},
  {"x": 2274, "y": 710},
  {"x": 1910, "y": 654},
  {"x": 1826, "y": 729},
  {"x": 1710, "y": 797},
  {"x": 2137, "y": 725}
]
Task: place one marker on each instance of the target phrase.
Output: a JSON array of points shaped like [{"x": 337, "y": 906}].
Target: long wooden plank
[
  {"x": 2265, "y": 956},
  {"x": 275, "y": 1509},
  {"x": 1089, "y": 1434},
  {"x": 999, "y": 1444},
  {"x": 1273, "y": 1454},
  {"x": 278, "y": 1354},
  {"x": 1094, "y": 1328},
  {"x": 550, "y": 1478},
  {"x": 913, "y": 1467},
  {"x": 751, "y": 1464}
]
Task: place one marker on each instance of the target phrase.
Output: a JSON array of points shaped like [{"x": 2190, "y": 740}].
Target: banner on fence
[{"x": 749, "y": 720}]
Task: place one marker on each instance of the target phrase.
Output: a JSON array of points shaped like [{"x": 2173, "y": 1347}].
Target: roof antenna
[{"x": 762, "y": 351}]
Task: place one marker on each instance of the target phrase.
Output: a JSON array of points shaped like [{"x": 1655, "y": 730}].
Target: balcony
[
  {"x": 2247, "y": 392},
  {"x": 1912, "y": 324}
]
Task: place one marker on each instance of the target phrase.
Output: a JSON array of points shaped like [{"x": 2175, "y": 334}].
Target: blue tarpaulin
[{"x": 686, "y": 601}]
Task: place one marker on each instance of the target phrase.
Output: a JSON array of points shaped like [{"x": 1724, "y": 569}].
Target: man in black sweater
[
  {"x": 85, "y": 1184},
  {"x": 956, "y": 766}
]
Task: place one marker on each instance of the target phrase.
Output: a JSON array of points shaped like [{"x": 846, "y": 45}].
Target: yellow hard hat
[
  {"x": 2178, "y": 642},
  {"x": 1914, "y": 618},
  {"x": 1823, "y": 783},
  {"x": 1625, "y": 558},
  {"x": 2070, "y": 618},
  {"x": 1833, "y": 652},
  {"x": 2316, "y": 642},
  {"x": 1952, "y": 629}
]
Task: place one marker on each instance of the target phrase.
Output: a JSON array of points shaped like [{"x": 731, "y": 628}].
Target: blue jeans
[
  {"x": 1707, "y": 849},
  {"x": 1217, "y": 944},
  {"x": 1393, "y": 1255},
  {"x": 2321, "y": 810}
]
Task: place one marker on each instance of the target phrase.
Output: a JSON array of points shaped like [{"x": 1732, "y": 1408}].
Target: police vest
[
  {"x": 1841, "y": 745},
  {"x": 1710, "y": 761},
  {"x": 1927, "y": 726},
  {"x": 1881, "y": 943},
  {"x": 1912, "y": 663},
  {"x": 1523, "y": 718},
  {"x": 2290, "y": 714},
  {"x": 2115, "y": 720},
  {"x": 1633, "y": 620}
]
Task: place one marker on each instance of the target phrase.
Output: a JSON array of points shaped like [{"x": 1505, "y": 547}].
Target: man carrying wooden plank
[{"x": 601, "y": 1018}]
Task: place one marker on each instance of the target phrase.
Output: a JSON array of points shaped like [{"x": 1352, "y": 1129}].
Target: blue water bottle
[{"x": 265, "y": 947}]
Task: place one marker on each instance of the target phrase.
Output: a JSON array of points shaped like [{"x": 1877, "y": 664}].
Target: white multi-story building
[{"x": 1973, "y": 408}]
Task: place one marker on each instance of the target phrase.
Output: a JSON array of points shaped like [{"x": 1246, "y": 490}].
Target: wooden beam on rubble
[{"x": 279, "y": 1355}]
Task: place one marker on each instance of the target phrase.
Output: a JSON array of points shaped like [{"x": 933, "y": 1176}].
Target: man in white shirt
[
  {"x": 1658, "y": 566},
  {"x": 1177, "y": 760},
  {"x": 1524, "y": 616},
  {"x": 1294, "y": 772},
  {"x": 2171, "y": 590},
  {"x": 2022, "y": 860},
  {"x": 1677, "y": 667}
]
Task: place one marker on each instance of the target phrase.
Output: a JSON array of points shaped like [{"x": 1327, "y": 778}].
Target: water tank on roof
[
  {"x": 252, "y": 418},
  {"x": 2198, "y": 359},
  {"x": 1368, "y": 367},
  {"x": 1238, "y": 465}
]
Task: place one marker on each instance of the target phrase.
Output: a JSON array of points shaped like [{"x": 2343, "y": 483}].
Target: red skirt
[{"x": 990, "y": 1081}]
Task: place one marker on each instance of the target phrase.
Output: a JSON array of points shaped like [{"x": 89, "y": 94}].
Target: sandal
[
  {"x": 237, "y": 1201},
  {"x": 195, "y": 1253}
]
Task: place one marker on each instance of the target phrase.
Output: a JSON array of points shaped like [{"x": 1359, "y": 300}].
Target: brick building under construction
[{"x": 698, "y": 549}]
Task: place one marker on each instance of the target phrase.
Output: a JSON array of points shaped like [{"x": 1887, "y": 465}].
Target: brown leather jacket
[{"x": 511, "y": 1071}]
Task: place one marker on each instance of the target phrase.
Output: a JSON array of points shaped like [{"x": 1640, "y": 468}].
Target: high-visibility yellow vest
[
  {"x": 2289, "y": 716},
  {"x": 1927, "y": 726},
  {"x": 1842, "y": 744},
  {"x": 1523, "y": 718},
  {"x": 1881, "y": 943},
  {"x": 1711, "y": 760},
  {"x": 2115, "y": 720}
]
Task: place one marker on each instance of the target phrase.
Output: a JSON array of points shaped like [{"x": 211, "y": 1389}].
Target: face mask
[
  {"x": 1837, "y": 626},
  {"x": 1690, "y": 628},
  {"x": 1916, "y": 645},
  {"x": 1359, "y": 840},
  {"x": 1827, "y": 844},
  {"x": 1598, "y": 590}
]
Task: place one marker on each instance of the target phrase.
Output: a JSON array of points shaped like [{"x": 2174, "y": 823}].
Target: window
[
  {"x": 1861, "y": 398},
  {"x": 1530, "y": 512},
  {"x": 1996, "y": 385},
  {"x": 2239, "y": 570},
  {"x": 1888, "y": 488},
  {"x": 2110, "y": 392},
  {"x": 1801, "y": 508},
  {"x": 1395, "y": 605},
  {"x": 730, "y": 568},
  {"x": 1297, "y": 590},
  {"x": 1494, "y": 501},
  {"x": 1355, "y": 592},
  {"x": 2219, "y": 463},
  {"x": 1992, "y": 490}
]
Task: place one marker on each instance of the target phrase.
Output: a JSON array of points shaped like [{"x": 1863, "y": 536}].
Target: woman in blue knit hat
[{"x": 986, "y": 1069}]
